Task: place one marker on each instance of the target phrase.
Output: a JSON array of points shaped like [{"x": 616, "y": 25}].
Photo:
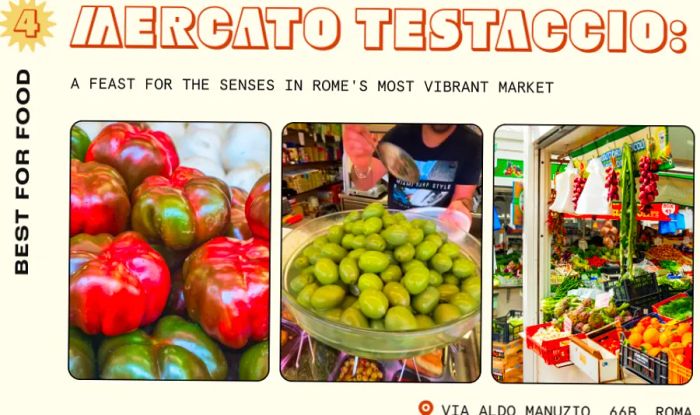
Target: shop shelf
[
  {"x": 504, "y": 332},
  {"x": 553, "y": 352}
]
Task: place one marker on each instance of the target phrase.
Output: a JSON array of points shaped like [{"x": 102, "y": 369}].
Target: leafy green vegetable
[{"x": 679, "y": 309}]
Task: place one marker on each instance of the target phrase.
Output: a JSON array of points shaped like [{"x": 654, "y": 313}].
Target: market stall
[
  {"x": 372, "y": 293},
  {"x": 608, "y": 258}
]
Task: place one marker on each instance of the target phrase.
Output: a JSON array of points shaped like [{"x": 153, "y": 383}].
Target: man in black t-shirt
[{"x": 448, "y": 158}]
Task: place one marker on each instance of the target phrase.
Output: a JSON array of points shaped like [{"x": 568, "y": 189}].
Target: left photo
[{"x": 169, "y": 255}]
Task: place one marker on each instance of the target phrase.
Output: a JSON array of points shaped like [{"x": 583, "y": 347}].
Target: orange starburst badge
[{"x": 26, "y": 24}]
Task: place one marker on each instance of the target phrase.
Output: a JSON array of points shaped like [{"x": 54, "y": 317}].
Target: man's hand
[{"x": 359, "y": 144}]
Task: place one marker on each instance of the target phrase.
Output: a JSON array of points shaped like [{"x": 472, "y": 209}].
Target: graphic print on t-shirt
[{"x": 434, "y": 188}]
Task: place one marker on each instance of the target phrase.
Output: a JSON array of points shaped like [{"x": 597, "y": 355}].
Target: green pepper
[
  {"x": 79, "y": 143},
  {"x": 177, "y": 349},
  {"x": 81, "y": 356},
  {"x": 254, "y": 363}
]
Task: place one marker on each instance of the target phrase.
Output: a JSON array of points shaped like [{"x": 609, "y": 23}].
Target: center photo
[{"x": 381, "y": 252}]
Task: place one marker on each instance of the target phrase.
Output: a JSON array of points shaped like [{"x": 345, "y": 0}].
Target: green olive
[
  {"x": 418, "y": 223},
  {"x": 320, "y": 241},
  {"x": 333, "y": 314},
  {"x": 326, "y": 271},
  {"x": 400, "y": 217},
  {"x": 327, "y": 297},
  {"x": 369, "y": 280},
  {"x": 395, "y": 235},
  {"x": 424, "y": 322},
  {"x": 447, "y": 291},
  {"x": 335, "y": 233},
  {"x": 373, "y": 261},
  {"x": 434, "y": 238},
  {"x": 356, "y": 253},
  {"x": 352, "y": 216},
  {"x": 373, "y": 303},
  {"x": 388, "y": 220},
  {"x": 300, "y": 262},
  {"x": 374, "y": 242},
  {"x": 348, "y": 301},
  {"x": 353, "y": 317},
  {"x": 358, "y": 228},
  {"x": 472, "y": 286},
  {"x": 304, "y": 296},
  {"x": 416, "y": 280},
  {"x": 446, "y": 312},
  {"x": 347, "y": 227},
  {"x": 377, "y": 325},
  {"x": 397, "y": 294},
  {"x": 392, "y": 273},
  {"x": 465, "y": 302},
  {"x": 450, "y": 279},
  {"x": 415, "y": 236},
  {"x": 435, "y": 278},
  {"x": 404, "y": 253},
  {"x": 348, "y": 270},
  {"x": 463, "y": 268},
  {"x": 400, "y": 318},
  {"x": 358, "y": 242},
  {"x": 333, "y": 251},
  {"x": 414, "y": 263},
  {"x": 425, "y": 302},
  {"x": 450, "y": 249},
  {"x": 373, "y": 210},
  {"x": 425, "y": 250},
  {"x": 346, "y": 242},
  {"x": 429, "y": 227},
  {"x": 313, "y": 253},
  {"x": 372, "y": 225},
  {"x": 390, "y": 254},
  {"x": 299, "y": 282},
  {"x": 441, "y": 262}
]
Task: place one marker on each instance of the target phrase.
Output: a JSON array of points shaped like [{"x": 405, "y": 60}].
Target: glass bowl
[{"x": 368, "y": 343}]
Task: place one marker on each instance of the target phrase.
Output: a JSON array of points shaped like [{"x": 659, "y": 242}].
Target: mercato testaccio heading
[{"x": 400, "y": 29}]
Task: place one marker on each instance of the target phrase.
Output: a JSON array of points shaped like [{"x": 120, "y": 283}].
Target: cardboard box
[{"x": 594, "y": 360}]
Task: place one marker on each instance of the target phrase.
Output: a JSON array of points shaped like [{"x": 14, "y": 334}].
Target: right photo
[{"x": 593, "y": 254}]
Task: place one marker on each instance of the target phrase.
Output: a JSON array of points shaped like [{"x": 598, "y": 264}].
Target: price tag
[
  {"x": 603, "y": 299},
  {"x": 567, "y": 324}
]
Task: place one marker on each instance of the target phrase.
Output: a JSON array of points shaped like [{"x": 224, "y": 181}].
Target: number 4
[{"x": 27, "y": 23}]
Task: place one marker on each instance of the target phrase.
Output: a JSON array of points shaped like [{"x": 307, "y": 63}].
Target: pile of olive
[{"x": 379, "y": 270}]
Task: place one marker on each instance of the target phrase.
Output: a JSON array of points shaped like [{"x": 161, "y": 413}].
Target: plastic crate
[
  {"x": 679, "y": 373},
  {"x": 652, "y": 369},
  {"x": 656, "y": 306},
  {"x": 553, "y": 352},
  {"x": 635, "y": 289},
  {"x": 612, "y": 334},
  {"x": 502, "y": 331}
]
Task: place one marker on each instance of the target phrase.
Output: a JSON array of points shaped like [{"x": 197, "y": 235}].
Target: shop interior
[
  {"x": 318, "y": 195},
  {"x": 596, "y": 286}
]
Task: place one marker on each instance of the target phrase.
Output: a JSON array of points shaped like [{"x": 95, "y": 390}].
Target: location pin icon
[{"x": 425, "y": 407}]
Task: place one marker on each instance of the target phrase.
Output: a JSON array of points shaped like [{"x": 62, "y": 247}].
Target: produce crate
[
  {"x": 635, "y": 290},
  {"x": 652, "y": 369},
  {"x": 679, "y": 373},
  {"x": 610, "y": 335},
  {"x": 502, "y": 331},
  {"x": 655, "y": 307},
  {"x": 553, "y": 352},
  {"x": 503, "y": 350}
]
